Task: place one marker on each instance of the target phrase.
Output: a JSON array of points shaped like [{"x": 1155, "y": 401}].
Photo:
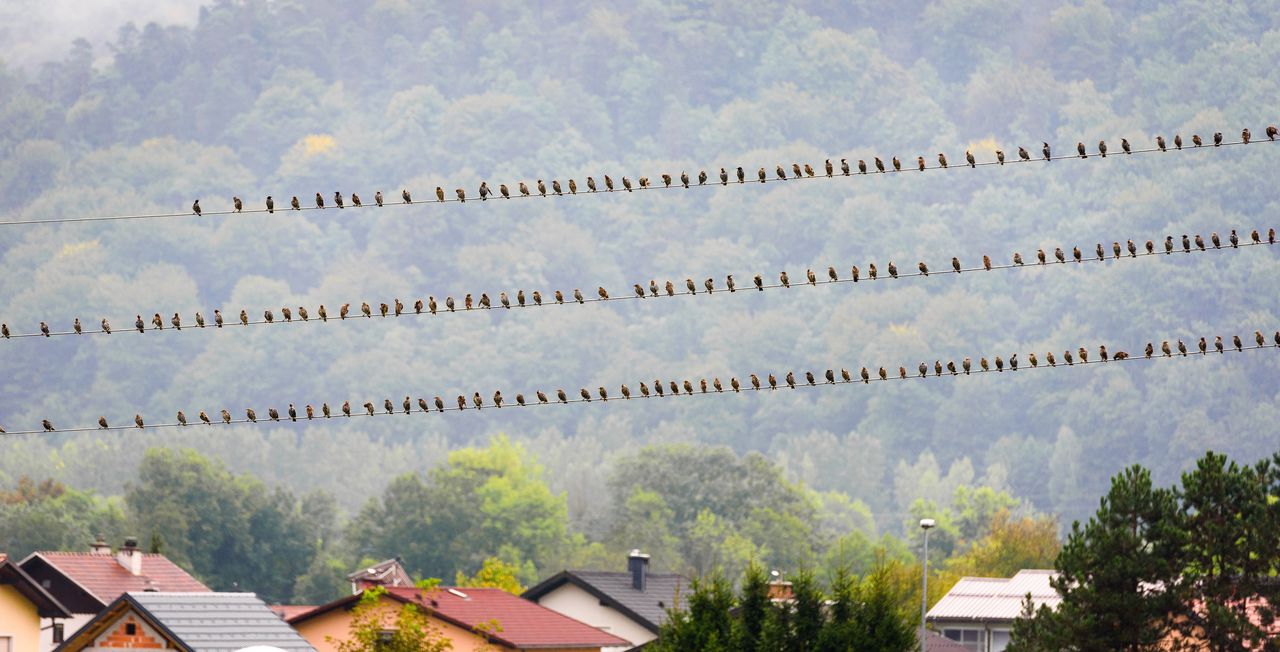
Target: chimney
[
  {"x": 779, "y": 589},
  {"x": 638, "y": 564},
  {"x": 100, "y": 547},
  {"x": 130, "y": 557}
]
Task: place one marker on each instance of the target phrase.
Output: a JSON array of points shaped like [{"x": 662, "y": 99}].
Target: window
[
  {"x": 6, "y": 644},
  {"x": 971, "y": 639},
  {"x": 130, "y": 629},
  {"x": 58, "y": 633}
]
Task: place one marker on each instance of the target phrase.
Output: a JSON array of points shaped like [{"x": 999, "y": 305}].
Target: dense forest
[{"x": 285, "y": 98}]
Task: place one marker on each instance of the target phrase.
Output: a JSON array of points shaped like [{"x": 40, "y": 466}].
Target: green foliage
[
  {"x": 46, "y": 515},
  {"x": 493, "y": 574},
  {"x": 482, "y": 503},
  {"x": 232, "y": 532},
  {"x": 373, "y": 629}
]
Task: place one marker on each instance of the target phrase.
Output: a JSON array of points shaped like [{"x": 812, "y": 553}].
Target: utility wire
[
  {"x": 713, "y": 180},
  {"x": 744, "y": 285},
  {"x": 881, "y": 374}
]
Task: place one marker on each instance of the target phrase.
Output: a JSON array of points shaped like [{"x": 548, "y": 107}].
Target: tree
[
  {"x": 1119, "y": 574},
  {"x": 1010, "y": 545},
  {"x": 374, "y": 629},
  {"x": 47, "y": 515},
  {"x": 1030, "y": 629},
  {"x": 705, "y": 625},
  {"x": 493, "y": 574},
  {"x": 1233, "y": 527},
  {"x": 752, "y": 610}
]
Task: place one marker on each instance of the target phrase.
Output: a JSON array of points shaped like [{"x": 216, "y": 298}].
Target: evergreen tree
[{"x": 753, "y": 609}]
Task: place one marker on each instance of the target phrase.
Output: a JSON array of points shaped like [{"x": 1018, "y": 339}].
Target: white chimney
[{"x": 130, "y": 557}]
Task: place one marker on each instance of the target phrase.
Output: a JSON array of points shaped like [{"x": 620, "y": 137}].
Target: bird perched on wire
[
  {"x": 1160, "y": 144},
  {"x": 968, "y": 156},
  {"x": 924, "y": 269}
]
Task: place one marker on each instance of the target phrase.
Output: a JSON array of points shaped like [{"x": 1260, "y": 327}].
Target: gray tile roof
[
  {"x": 650, "y": 606},
  {"x": 220, "y": 621}
]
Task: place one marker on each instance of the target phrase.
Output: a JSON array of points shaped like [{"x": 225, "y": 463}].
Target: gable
[{"x": 129, "y": 632}]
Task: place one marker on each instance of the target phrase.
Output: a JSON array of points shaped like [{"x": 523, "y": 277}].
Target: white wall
[
  {"x": 576, "y": 603},
  {"x": 69, "y": 626}
]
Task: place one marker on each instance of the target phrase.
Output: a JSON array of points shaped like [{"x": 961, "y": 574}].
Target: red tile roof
[
  {"x": 291, "y": 611},
  {"x": 520, "y": 623},
  {"x": 107, "y": 580}
]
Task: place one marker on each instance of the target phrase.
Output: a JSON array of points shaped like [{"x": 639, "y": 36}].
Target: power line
[
  {"x": 720, "y": 288},
  {"x": 711, "y": 181},
  {"x": 686, "y": 387}
]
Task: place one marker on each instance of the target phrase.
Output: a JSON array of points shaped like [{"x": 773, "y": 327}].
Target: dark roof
[
  {"x": 198, "y": 622},
  {"x": 388, "y": 573},
  {"x": 523, "y": 624},
  {"x": 940, "y": 643},
  {"x": 46, "y": 605},
  {"x": 103, "y": 578},
  {"x": 648, "y": 608}
]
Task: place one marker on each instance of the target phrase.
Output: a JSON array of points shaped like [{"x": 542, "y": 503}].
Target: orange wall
[
  {"x": 337, "y": 624},
  {"x": 19, "y": 620}
]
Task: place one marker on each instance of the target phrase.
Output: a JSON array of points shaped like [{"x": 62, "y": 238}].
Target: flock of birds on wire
[
  {"x": 708, "y": 286},
  {"x": 687, "y": 387},
  {"x": 797, "y": 172}
]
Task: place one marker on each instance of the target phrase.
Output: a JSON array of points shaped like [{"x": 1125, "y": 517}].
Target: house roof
[
  {"x": 287, "y": 611},
  {"x": 198, "y": 622},
  {"x": 388, "y": 573},
  {"x": 523, "y": 624},
  {"x": 648, "y": 607},
  {"x": 995, "y": 599},
  {"x": 940, "y": 643},
  {"x": 105, "y": 579},
  {"x": 46, "y": 605}
]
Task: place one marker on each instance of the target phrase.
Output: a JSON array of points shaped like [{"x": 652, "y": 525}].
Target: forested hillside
[{"x": 287, "y": 98}]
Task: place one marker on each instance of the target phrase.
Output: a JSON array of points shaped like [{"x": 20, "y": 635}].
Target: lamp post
[{"x": 925, "y": 524}]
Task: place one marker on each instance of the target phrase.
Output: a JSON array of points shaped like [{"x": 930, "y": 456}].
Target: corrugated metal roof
[
  {"x": 989, "y": 599},
  {"x": 220, "y": 621}
]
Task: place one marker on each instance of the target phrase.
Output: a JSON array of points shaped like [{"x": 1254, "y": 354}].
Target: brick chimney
[
  {"x": 638, "y": 565},
  {"x": 779, "y": 589},
  {"x": 99, "y": 546},
  {"x": 130, "y": 556}
]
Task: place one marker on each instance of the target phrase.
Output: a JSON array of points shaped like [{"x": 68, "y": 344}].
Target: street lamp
[{"x": 925, "y": 524}]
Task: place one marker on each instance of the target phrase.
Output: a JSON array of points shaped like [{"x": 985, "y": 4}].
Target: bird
[
  {"x": 355, "y": 200},
  {"x": 919, "y": 163},
  {"x": 1213, "y": 237},
  {"x": 1168, "y": 244},
  {"x": 484, "y": 191},
  {"x": 702, "y": 176},
  {"x": 1045, "y": 150},
  {"x": 182, "y": 418},
  {"x": 1234, "y": 239},
  {"x": 586, "y": 396},
  {"x": 439, "y": 194},
  {"x": 502, "y": 297},
  {"x": 577, "y": 295},
  {"x": 462, "y": 402},
  {"x": 782, "y": 174},
  {"x": 1195, "y": 139},
  {"x": 626, "y": 183},
  {"x": 1186, "y": 243},
  {"x": 1235, "y": 341},
  {"x": 157, "y": 321},
  {"x": 831, "y": 274},
  {"x": 942, "y": 159},
  {"x": 1271, "y": 132},
  {"x": 741, "y": 175},
  {"x": 319, "y": 200},
  {"x": 1075, "y": 253},
  {"x": 244, "y": 318},
  {"x": 782, "y": 278},
  {"x": 1151, "y": 247},
  {"x": 337, "y": 199},
  {"x": 967, "y": 364},
  {"x": 1182, "y": 348},
  {"x": 955, "y": 264},
  {"x": 297, "y": 206},
  {"x": 1017, "y": 258},
  {"x": 924, "y": 370},
  {"x": 195, "y": 207},
  {"x": 760, "y": 174},
  {"x": 1057, "y": 254},
  {"x": 688, "y": 283},
  {"x": 237, "y": 204},
  {"x": 1013, "y": 362},
  {"x": 44, "y": 328},
  {"x": 271, "y": 205},
  {"x": 728, "y": 281},
  {"x": 1023, "y": 154},
  {"x": 1102, "y": 148},
  {"x": 830, "y": 169},
  {"x": 1271, "y": 235},
  {"x": 1040, "y": 255},
  {"x": 484, "y": 301},
  {"x": 48, "y": 427},
  {"x": 1160, "y": 143},
  {"x": 1081, "y": 151},
  {"x": 102, "y": 423},
  {"x": 537, "y": 298},
  {"x": 386, "y": 405},
  {"x": 1053, "y": 362},
  {"x": 288, "y": 314},
  {"x": 924, "y": 269},
  {"x": 791, "y": 380},
  {"x": 773, "y": 382},
  {"x": 1164, "y": 348},
  {"x": 324, "y": 409},
  {"x": 1177, "y": 141},
  {"x": 346, "y": 408},
  {"x": 176, "y": 320},
  {"x": 968, "y": 156},
  {"x": 138, "y": 324},
  {"x": 709, "y": 284},
  {"x": 542, "y": 188},
  {"x": 364, "y": 308},
  {"x": 497, "y": 399},
  {"x": 684, "y": 180},
  {"x": 462, "y": 194},
  {"x": 865, "y": 375},
  {"x": 422, "y": 405},
  {"x": 1124, "y": 145},
  {"x": 253, "y": 416},
  {"x": 269, "y": 317},
  {"x": 1115, "y": 249},
  {"x": 603, "y": 293},
  {"x": 871, "y": 270},
  {"x": 844, "y": 167},
  {"x": 1199, "y": 242},
  {"x": 1133, "y": 249},
  {"x": 591, "y": 184},
  {"x": 937, "y": 367},
  {"x": 853, "y": 271},
  {"x": 1066, "y": 355},
  {"x": 205, "y": 418},
  {"x": 1000, "y": 156},
  {"x": 893, "y": 270},
  {"x": 1217, "y": 138},
  {"x": 879, "y": 164},
  {"x": 759, "y": 282},
  {"x": 1084, "y": 355},
  {"x": 226, "y": 416},
  {"x": 986, "y": 262}
]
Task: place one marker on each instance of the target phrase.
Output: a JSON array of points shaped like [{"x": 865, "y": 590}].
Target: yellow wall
[
  {"x": 337, "y": 624},
  {"x": 19, "y": 620}
]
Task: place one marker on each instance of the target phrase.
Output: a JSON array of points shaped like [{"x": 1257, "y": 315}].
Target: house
[
  {"x": 978, "y": 612},
  {"x": 631, "y": 605},
  {"x": 470, "y": 618},
  {"x": 388, "y": 573},
  {"x": 86, "y": 582},
  {"x": 190, "y": 622},
  {"x": 23, "y": 604}
]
